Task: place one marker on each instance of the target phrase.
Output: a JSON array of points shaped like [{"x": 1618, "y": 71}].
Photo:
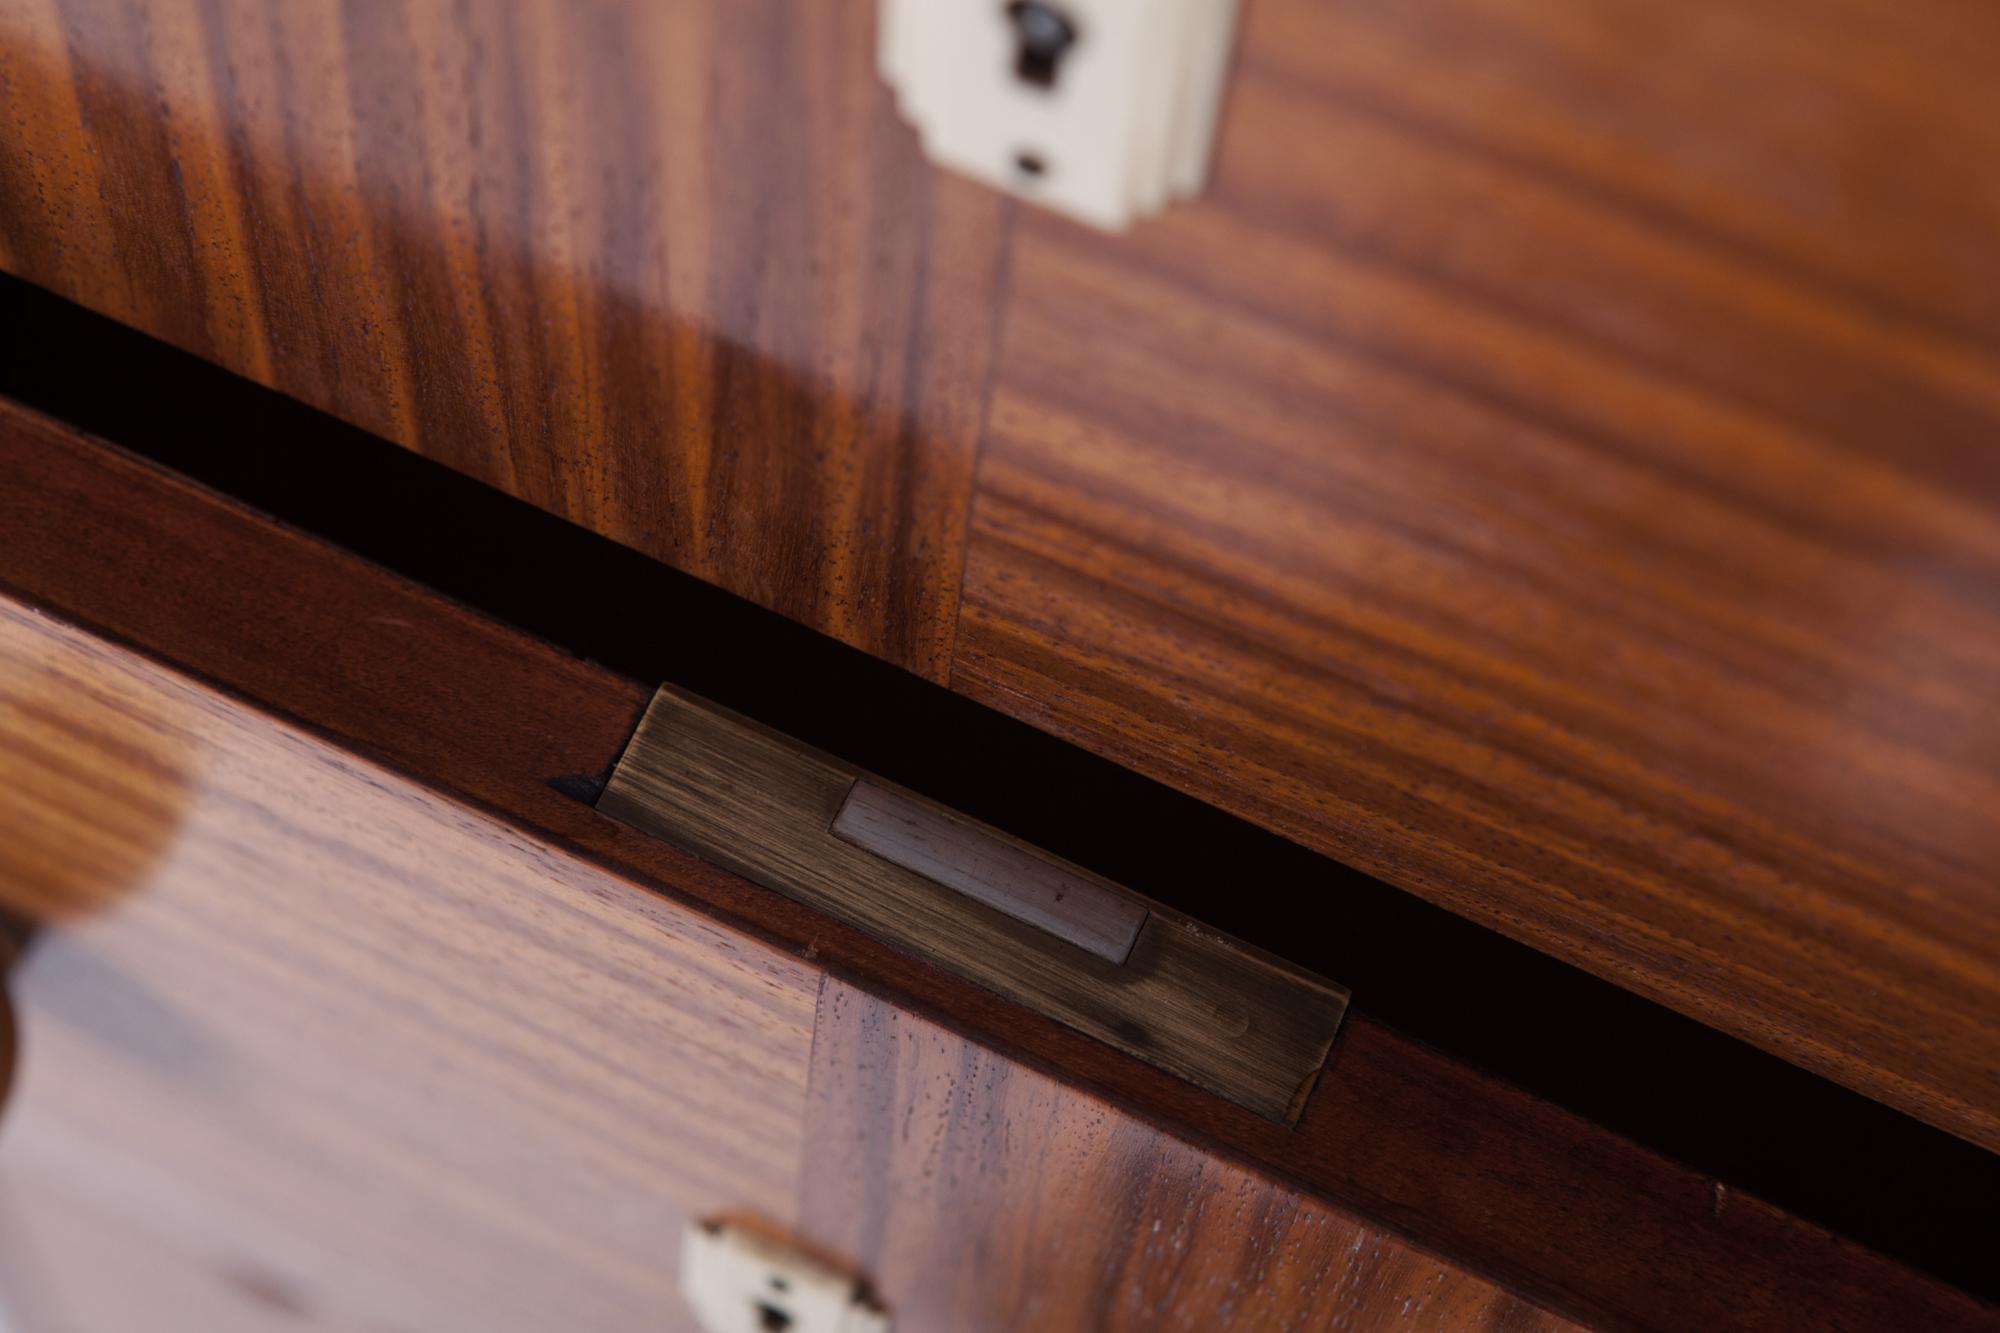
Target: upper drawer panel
[
  {"x": 674, "y": 271},
  {"x": 1554, "y": 469}
]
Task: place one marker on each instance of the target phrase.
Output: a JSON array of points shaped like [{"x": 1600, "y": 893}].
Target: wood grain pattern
[
  {"x": 1550, "y": 469},
  {"x": 985, "y": 1196},
  {"x": 1431, "y": 1148},
  {"x": 1024, "y": 882},
  {"x": 1567, "y": 491},
  {"x": 351, "y": 1043},
  {"x": 14, "y": 933},
  {"x": 675, "y": 272},
  {"x": 1187, "y": 999}
]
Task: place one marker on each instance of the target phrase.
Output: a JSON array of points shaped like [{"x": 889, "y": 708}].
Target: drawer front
[
  {"x": 304, "y": 1042},
  {"x": 1548, "y": 469},
  {"x": 299, "y": 1034}
]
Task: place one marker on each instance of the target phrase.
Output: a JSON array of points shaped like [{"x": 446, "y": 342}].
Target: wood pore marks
[
  {"x": 328, "y": 1040},
  {"x": 676, "y": 272},
  {"x": 1552, "y": 470},
  {"x": 986, "y": 1197}
]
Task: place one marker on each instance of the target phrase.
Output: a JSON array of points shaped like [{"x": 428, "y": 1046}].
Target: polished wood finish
[
  {"x": 1553, "y": 471},
  {"x": 1459, "y": 1161},
  {"x": 346, "y": 1053},
  {"x": 391, "y": 1056},
  {"x": 1188, "y": 999},
  {"x": 1550, "y": 468},
  {"x": 924, "y": 1149},
  {"x": 676, "y": 272}
]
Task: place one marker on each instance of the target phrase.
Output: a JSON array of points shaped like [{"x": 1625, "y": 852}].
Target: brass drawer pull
[{"x": 1049, "y": 935}]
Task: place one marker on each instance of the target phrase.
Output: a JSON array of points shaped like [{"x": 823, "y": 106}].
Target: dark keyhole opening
[
  {"x": 1045, "y": 34},
  {"x": 771, "y": 1319}
]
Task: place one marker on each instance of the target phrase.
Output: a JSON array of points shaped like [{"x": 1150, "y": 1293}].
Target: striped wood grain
[
  {"x": 925, "y": 1149},
  {"x": 1245, "y": 1026},
  {"x": 1553, "y": 470},
  {"x": 330, "y": 1036}
]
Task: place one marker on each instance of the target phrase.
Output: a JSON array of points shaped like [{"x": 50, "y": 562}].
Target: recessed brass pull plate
[{"x": 1047, "y": 934}]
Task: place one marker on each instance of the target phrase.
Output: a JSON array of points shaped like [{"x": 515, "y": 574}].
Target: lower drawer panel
[{"x": 324, "y": 1033}]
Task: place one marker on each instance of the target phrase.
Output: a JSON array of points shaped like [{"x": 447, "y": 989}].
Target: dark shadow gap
[{"x": 1683, "y": 1089}]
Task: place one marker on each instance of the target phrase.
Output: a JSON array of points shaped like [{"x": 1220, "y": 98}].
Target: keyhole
[
  {"x": 1045, "y": 34},
  {"x": 771, "y": 1319}
]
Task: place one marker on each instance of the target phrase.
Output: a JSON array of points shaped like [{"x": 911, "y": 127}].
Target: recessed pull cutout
[
  {"x": 1026, "y": 884},
  {"x": 1101, "y": 109}
]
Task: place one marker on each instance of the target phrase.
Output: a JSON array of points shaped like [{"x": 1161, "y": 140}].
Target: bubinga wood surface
[
  {"x": 332, "y": 1038},
  {"x": 1573, "y": 501},
  {"x": 1423, "y": 1145},
  {"x": 1550, "y": 469},
  {"x": 336, "y": 1051},
  {"x": 674, "y": 271},
  {"x": 924, "y": 1148}
]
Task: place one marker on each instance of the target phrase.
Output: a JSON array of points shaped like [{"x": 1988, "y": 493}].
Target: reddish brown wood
[
  {"x": 925, "y": 1151},
  {"x": 676, "y": 272},
  {"x": 338, "y": 1049},
  {"x": 1553, "y": 470},
  {"x": 1227, "y": 1017},
  {"x": 1550, "y": 468},
  {"x": 1464, "y": 1165},
  {"x": 334, "y": 1036}
]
